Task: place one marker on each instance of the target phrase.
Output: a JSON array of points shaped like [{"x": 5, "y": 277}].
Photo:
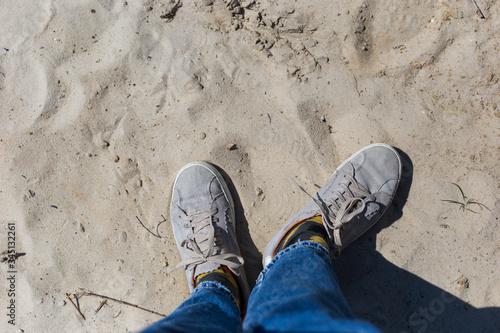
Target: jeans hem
[{"x": 217, "y": 286}]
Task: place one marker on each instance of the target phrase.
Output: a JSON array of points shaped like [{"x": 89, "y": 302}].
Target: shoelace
[
  {"x": 340, "y": 209},
  {"x": 202, "y": 247}
]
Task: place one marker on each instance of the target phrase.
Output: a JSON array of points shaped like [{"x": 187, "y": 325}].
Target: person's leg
[
  {"x": 298, "y": 289},
  {"x": 210, "y": 308},
  {"x": 298, "y": 292},
  {"x": 202, "y": 214}
]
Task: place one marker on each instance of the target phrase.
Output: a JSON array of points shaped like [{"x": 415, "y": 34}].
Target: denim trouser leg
[
  {"x": 299, "y": 292},
  {"x": 209, "y": 308}
]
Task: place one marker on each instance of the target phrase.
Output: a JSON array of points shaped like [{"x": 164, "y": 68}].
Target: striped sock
[
  {"x": 224, "y": 276},
  {"x": 311, "y": 229}
]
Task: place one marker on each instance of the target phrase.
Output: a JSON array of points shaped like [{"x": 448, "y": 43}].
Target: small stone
[
  {"x": 347, "y": 12},
  {"x": 123, "y": 236},
  {"x": 259, "y": 46},
  {"x": 246, "y": 4},
  {"x": 82, "y": 228},
  {"x": 258, "y": 191},
  {"x": 323, "y": 120},
  {"x": 116, "y": 158},
  {"x": 230, "y": 146},
  {"x": 203, "y": 135},
  {"x": 472, "y": 157},
  {"x": 114, "y": 190},
  {"x": 444, "y": 226},
  {"x": 238, "y": 10},
  {"x": 171, "y": 281},
  {"x": 105, "y": 144},
  {"x": 463, "y": 282}
]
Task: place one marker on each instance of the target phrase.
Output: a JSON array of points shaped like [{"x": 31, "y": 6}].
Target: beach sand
[{"x": 102, "y": 102}]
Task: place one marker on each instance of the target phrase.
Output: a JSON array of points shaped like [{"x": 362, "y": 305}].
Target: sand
[{"x": 102, "y": 102}]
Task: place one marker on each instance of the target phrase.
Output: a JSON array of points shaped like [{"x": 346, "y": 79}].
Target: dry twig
[
  {"x": 157, "y": 226},
  {"x": 356, "y": 85},
  {"x": 478, "y": 11},
  {"x": 10, "y": 257},
  {"x": 101, "y": 305},
  {"x": 76, "y": 307},
  {"x": 84, "y": 293}
]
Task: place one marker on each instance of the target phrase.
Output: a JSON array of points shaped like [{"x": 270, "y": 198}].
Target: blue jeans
[{"x": 297, "y": 292}]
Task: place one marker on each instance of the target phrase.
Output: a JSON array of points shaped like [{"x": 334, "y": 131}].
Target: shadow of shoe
[
  {"x": 249, "y": 252},
  {"x": 396, "y": 300}
]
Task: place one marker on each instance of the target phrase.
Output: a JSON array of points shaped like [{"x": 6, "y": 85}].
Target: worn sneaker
[
  {"x": 352, "y": 201},
  {"x": 202, "y": 214}
]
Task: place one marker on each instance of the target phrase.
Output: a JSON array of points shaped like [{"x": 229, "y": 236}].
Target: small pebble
[
  {"x": 323, "y": 119},
  {"x": 82, "y": 228},
  {"x": 105, "y": 144},
  {"x": 116, "y": 158},
  {"x": 114, "y": 190},
  {"x": 258, "y": 191},
  {"x": 203, "y": 135},
  {"x": 444, "y": 226},
  {"x": 123, "y": 236},
  {"x": 463, "y": 282}
]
